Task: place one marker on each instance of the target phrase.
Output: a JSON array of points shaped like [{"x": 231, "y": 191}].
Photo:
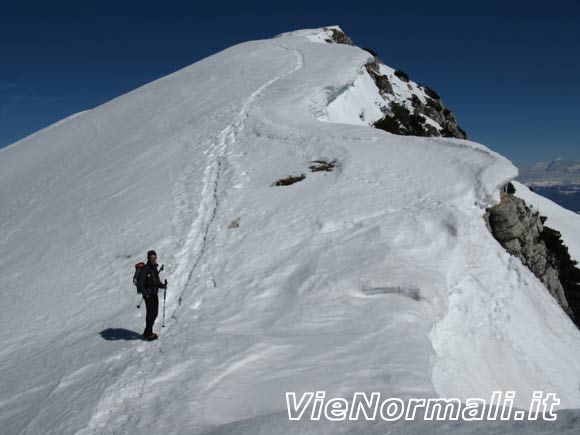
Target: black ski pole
[
  {"x": 140, "y": 302},
  {"x": 164, "y": 293}
]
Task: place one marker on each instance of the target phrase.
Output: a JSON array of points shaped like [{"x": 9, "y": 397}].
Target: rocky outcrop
[
  {"x": 436, "y": 110},
  {"x": 412, "y": 117},
  {"x": 519, "y": 230},
  {"x": 337, "y": 36},
  {"x": 382, "y": 81},
  {"x": 409, "y": 108}
]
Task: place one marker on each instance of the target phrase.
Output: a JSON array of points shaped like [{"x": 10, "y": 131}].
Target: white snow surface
[{"x": 377, "y": 276}]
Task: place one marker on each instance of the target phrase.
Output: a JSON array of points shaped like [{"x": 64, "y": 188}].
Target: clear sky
[{"x": 510, "y": 70}]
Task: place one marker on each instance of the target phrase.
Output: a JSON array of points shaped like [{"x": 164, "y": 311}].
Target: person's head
[{"x": 152, "y": 257}]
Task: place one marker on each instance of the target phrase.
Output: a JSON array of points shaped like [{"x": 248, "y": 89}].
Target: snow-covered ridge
[
  {"x": 384, "y": 97},
  {"x": 379, "y": 275}
]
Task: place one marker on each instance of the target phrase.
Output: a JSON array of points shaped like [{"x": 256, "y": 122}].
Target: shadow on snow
[{"x": 113, "y": 334}]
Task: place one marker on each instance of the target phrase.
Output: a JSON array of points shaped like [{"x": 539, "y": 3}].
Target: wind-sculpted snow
[{"x": 376, "y": 275}]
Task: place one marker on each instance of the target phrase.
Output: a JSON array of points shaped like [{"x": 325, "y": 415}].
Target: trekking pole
[
  {"x": 140, "y": 302},
  {"x": 164, "y": 294}
]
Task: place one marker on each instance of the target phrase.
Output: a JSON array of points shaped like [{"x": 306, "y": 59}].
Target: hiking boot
[{"x": 150, "y": 337}]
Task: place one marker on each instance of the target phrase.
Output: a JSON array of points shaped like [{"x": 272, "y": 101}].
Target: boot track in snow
[
  {"x": 135, "y": 377},
  {"x": 194, "y": 248}
]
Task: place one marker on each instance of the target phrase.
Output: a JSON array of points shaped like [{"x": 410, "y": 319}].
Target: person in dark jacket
[{"x": 150, "y": 283}]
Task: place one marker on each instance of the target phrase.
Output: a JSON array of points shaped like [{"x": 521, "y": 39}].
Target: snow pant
[{"x": 152, "y": 304}]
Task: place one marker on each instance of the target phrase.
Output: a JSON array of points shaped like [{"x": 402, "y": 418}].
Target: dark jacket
[{"x": 149, "y": 280}]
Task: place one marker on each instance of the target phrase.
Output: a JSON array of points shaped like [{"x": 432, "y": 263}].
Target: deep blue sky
[{"x": 510, "y": 70}]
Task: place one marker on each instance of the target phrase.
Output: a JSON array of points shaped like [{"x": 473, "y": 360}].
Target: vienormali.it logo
[{"x": 364, "y": 406}]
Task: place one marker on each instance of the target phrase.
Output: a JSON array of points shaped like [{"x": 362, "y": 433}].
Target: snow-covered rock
[
  {"x": 565, "y": 221},
  {"x": 401, "y": 106},
  {"x": 519, "y": 229},
  {"x": 379, "y": 275}
]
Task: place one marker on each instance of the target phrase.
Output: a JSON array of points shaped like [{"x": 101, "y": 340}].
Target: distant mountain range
[{"x": 558, "y": 180}]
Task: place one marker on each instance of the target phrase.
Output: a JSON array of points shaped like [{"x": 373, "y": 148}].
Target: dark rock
[
  {"x": 371, "y": 51},
  {"x": 402, "y": 75},
  {"x": 381, "y": 81},
  {"x": 338, "y": 37},
  {"x": 431, "y": 92},
  {"x": 402, "y": 121},
  {"x": 433, "y": 108}
]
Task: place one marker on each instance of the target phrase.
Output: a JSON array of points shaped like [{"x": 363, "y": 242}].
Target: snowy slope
[
  {"x": 559, "y": 218},
  {"x": 377, "y": 276}
]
